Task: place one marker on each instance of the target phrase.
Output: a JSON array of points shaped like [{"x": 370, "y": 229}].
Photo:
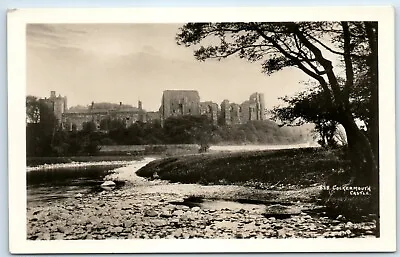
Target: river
[
  {"x": 158, "y": 209},
  {"x": 48, "y": 182}
]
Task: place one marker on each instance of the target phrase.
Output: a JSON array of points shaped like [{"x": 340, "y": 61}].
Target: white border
[{"x": 16, "y": 23}]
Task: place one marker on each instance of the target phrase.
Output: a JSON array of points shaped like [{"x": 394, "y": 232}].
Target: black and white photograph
[{"x": 248, "y": 128}]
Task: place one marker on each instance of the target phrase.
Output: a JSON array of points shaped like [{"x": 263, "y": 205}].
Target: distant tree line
[{"x": 44, "y": 138}]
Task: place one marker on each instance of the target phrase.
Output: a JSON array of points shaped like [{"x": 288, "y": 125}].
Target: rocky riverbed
[{"x": 157, "y": 209}]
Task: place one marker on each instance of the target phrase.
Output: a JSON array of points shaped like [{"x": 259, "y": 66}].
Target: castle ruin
[
  {"x": 174, "y": 103},
  {"x": 185, "y": 102}
]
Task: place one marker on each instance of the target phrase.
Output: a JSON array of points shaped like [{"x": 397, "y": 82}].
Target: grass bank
[{"x": 301, "y": 167}]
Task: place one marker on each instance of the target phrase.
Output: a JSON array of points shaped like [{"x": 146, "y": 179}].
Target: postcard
[{"x": 193, "y": 130}]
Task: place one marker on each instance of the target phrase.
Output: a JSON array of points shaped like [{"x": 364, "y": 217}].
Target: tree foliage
[
  {"x": 309, "y": 107},
  {"x": 309, "y": 46},
  {"x": 32, "y": 105}
]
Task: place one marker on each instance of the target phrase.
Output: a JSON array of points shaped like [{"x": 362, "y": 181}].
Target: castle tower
[
  {"x": 258, "y": 104},
  {"x": 55, "y": 104},
  {"x": 179, "y": 102},
  {"x": 225, "y": 112}
]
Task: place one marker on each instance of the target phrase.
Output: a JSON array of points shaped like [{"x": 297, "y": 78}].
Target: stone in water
[{"x": 108, "y": 185}]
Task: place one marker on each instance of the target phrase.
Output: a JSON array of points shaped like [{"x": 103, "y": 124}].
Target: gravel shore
[{"x": 149, "y": 210}]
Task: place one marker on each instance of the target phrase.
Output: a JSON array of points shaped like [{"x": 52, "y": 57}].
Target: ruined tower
[
  {"x": 225, "y": 112},
  {"x": 56, "y": 104},
  {"x": 210, "y": 109},
  {"x": 179, "y": 102}
]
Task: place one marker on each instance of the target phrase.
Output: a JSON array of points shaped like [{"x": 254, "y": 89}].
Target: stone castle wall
[
  {"x": 173, "y": 103},
  {"x": 186, "y": 102},
  {"x": 209, "y": 109},
  {"x": 178, "y": 103}
]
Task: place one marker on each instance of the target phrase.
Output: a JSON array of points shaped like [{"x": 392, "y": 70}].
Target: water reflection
[{"x": 51, "y": 184}]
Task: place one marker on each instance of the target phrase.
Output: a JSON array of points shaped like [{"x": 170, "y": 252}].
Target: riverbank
[
  {"x": 74, "y": 160},
  {"x": 286, "y": 167},
  {"x": 158, "y": 210},
  {"x": 129, "y": 154},
  {"x": 74, "y": 164},
  {"x": 151, "y": 208}
]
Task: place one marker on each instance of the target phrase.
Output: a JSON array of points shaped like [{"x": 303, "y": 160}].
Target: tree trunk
[
  {"x": 364, "y": 164},
  {"x": 362, "y": 155}
]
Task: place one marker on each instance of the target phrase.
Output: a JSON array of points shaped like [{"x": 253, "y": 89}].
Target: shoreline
[
  {"x": 84, "y": 161},
  {"x": 154, "y": 209},
  {"x": 155, "y": 212},
  {"x": 78, "y": 165}
]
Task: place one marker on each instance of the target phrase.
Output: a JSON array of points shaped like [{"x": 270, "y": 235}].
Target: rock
[
  {"x": 151, "y": 213},
  {"x": 128, "y": 223},
  {"x": 118, "y": 229},
  {"x": 239, "y": 235},
  {"x": 175, "y": 221},
  {"x": 108, "y": 185},
  {"x": 281, "y": 211},
  {"x": 160, "y": 223},
  {"x": 165, "y": 214},
  {"x": 78, "y": 195},
  {"x": 196, "y": 209},
  {"x": 312, "y": 227},
  {"x": 340, "y": 217},
  {"x": 349, "y": 225},
  {"x": 282, "y": 233},
  {"x": 178, "y": 213}
]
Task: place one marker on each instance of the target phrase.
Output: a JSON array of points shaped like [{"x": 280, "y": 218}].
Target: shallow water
[
  {"x": 216, "y": 204},
  {"x": 49, "y": 184},
  {"x": 67, "y": 180}
]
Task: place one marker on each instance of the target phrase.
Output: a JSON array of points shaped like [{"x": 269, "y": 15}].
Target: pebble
[
  {"x": 142, "y": 215},
  {"x": 196, "y": 209}
]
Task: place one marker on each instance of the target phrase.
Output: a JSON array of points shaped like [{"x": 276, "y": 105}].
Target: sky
[{"x": 130, "y": 62}]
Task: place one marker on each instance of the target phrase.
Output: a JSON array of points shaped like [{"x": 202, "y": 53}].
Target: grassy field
[{"x": 301, "y": 167}]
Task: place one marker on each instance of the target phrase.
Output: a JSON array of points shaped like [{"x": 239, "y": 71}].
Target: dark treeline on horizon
[{"x": 44, "y": 139}]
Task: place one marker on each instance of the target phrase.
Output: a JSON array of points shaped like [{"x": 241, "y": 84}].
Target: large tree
[{"x": 312, "y": 47}]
